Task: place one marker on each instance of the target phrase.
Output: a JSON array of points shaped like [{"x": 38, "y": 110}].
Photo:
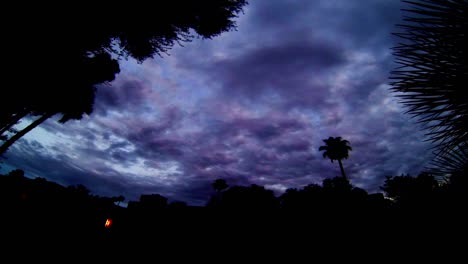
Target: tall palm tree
[{"x": 336, "y": 148}]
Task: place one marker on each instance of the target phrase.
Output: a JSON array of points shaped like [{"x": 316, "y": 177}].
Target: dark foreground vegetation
[{"x": 409, "y": 210}]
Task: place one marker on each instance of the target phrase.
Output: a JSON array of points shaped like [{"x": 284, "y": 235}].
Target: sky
[{"x": 251, "y": 106}]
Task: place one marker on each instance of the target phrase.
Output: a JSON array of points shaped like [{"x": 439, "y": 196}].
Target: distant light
[
  {"x": 24, "y": 196},
  {"x": 108, "y": 223}
]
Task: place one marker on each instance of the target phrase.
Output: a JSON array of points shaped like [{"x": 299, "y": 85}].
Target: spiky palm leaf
[
  {"x": 450, "y": 162},
  {"x": 432, "y": 72}
]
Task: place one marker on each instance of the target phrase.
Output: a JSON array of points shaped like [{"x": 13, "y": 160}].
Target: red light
[{"x": 108, "y": 223}]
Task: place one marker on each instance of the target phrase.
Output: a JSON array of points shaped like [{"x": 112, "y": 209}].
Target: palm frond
[
  {"x": 431, "y": 74},
  {"x": 325, "y": 154}
]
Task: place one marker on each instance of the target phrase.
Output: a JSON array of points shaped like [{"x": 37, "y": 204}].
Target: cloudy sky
[{"x": 251, "y": 106}]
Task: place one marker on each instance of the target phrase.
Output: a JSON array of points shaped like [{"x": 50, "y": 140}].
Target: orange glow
[{"x": 108, "y": 223}]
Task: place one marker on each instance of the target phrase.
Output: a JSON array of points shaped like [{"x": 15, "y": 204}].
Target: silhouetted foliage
[
  {"x": 452, "y": 162},
  {"x": 36, "y": 208},
  {"x": 336, "y": 149},
  {"x": 79, "y": 190},
  {"x": 335, "y": 196},
  {"x": 118, "y": 199},
  {"x": 72, "y": 100},
  {"x": 220, "y": 185},
  {"x": 337, "y": 184},
  {"x": 432, "y": 74},
  {"x": 149, "y": 202},
  {"x": 245, "y": 198},
  {"x": 412, "y": 192},
  {"x": 56, "y": 60},
  {"x": 177, "y": 205},
  {"x": 17, "y": 173}
]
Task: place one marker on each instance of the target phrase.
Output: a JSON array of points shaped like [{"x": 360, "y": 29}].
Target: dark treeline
[{"x": 37, "y": 208}]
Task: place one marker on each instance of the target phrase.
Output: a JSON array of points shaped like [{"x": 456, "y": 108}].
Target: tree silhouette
[
  {"x": 432, "y": 74},
  {"x": 220, "y": 185},
  {"x": 412, "y": 192},
  {"x": 16, "y": 173},
  {"x": 336, "y": 148},
  {"x": 406, "y": 187},
  {"x": 79, "y": 190},
  {"x": 67, "y": 58},
  {"x": 118, "y": 199},
  {"x": 73, "y": 102},
  {"x": 253, "y": 197}
]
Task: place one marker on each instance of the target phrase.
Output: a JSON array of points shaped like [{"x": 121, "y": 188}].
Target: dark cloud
[
  {"x": 122, "y": 94},
  {"x": 290, "y": 144},
  {"x": 288, "y": 71},
  {"x": 362, "y": 24}
]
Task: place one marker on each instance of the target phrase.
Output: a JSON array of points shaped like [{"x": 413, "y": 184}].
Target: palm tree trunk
[
  {"x": 342, "y": 170},
  {"x": 12, "y": 121},
  {"x": 14, "y": 138}
]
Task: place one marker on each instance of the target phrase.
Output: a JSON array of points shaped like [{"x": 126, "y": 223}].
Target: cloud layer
[{"x": 250, "y": 106}]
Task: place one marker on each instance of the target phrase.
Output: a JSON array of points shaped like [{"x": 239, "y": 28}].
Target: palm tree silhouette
[
  {"x": 431, "y": 77},
  {"x": 336, "y": 148}
]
